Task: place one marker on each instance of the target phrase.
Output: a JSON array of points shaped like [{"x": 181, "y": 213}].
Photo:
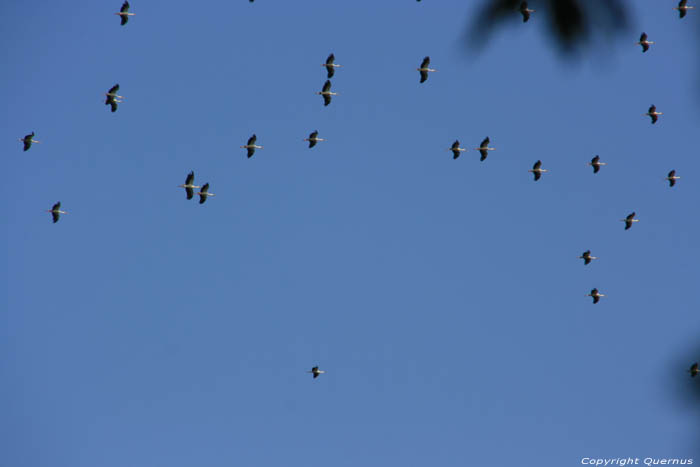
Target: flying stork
[
  {"x": 596, "y": 295},
  {"x": 672, "y": 177},
  {"x": 189, "y": 185},
  {"x": 56, "y": 211},
  {"x": 330, "y": 65},
  {"x": 113, "y": 98},
  {"x": 251, "y": 146},
  {"x": 484, "y": 148},
  {"x": 313, "y": 138},
  {"x": 204, "y": 193},
  {"x": 537, "y": 170},
  {"x": 683, "y": 8},
  {"x": 326, "y": 93},
  {"x": 124, "y": 13},
  {"x": 424, "y": 70},
  {"x": 629, "y": 220},
  {"x": 644, "y": 42},
  {"x": 315, "y": 371},
  {"x": 28, "y": 140},
  {"x": 694, "y": 370},
  {"x": 595, "y": 162},
  {"x": 653, "y": 114},
  {"x": 525, "y": 11},
  {"x": 456, "y": 149},
  {"x": 586, "y": 257}
]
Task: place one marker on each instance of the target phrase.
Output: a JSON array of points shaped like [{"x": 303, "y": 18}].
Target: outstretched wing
[
  {"x": 538, "y": 175},
  {"x": 190, "y": 178},
  {"x": 596, "y": 168},
  {"x": 331, "y": 71},
  {"x": 114, "y": 105},
  {"x": 537, "y": 165},
  {"x": 113, "y": 89},
  {"x": 484, "y": 154},
  {"x": 190, "y": 192},
  {"x": 251, "y": 151},
  {"x": 326, "y": 99},
  {"x": 423, "y": 76},
  {"x": 485, "y": 142},
  {"x": 425, "y": 62},
  {"x": 125, "y": 7},
  {"x": 252, "y": 140}
]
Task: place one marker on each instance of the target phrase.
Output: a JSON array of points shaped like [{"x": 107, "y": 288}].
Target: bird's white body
[
  {"x": 31, "y": 140},
  {"x": 314, "y": 139},
  {"x": 251, "y": 146}
]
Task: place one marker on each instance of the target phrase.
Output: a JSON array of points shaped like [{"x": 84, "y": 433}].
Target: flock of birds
[{"x": 113, "y": 99}]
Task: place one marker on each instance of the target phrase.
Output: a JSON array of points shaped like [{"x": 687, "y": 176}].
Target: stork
[
  {"x": 326, "y": 93},
  {"x": 596, "y": 295},
  {"x": 251, "y": 146},
  {"x": 683, "y": 8},
  {"x": 672, "y": 177},
  {"x": 330, "y": 65},
  {"x": 629, "y": 220},
  {"x": 189, "y": 185},
  {"x": 124, "y": 13},
  {"x": 204, "y": 193},
  {"x": 537, "y": 170},
  {"x": 525, "y": 11},
  {"x": 653, "y": 114},
  {"x": 456, "y": 150},
  {"x": 595, "y": 162},
  {"x": 484, "y": 148},
  {"x": 424, "y": 70},
  {"x": 113, "y": 98},
  {"x": 28, "y": 140},
  {"x": 644, "y": 42},
  {"x": 313, "y": 138},
  {"x": 56, "y": 211},
  {"x": 315, "y": 371},
  {"x": 586, "y": 257},
  {"x": 693, "y": 370}
]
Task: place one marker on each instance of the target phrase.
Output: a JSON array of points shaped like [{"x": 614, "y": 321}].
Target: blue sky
[{"x": 443, "y": 297}]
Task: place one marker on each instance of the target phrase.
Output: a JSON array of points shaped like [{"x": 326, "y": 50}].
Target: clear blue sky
[{"x": 444, "y": 298}]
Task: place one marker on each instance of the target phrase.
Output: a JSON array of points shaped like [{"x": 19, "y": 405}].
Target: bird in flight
[
  {"x": 586, "y": 257},
  {"x": 484, "y": 148},
  {"x": 595, "y": 162},
  {"x": 525, "y": 11},
  {"x": 653, "y": 114},
  {"x": 331, "y": 65},
  {"x": 204, "y": 193},
  {"x": 28, "y": 140},
  {"x": 189, "y": 185},
  {"x": 326, "y": 93},
  {"x": 596, "y": 295},
  {"x": 683, "y": 8},
  {"x": 629, "y": 220},
  {"x": 251, "y": 146},
  {"x": 124, "y": 13},
  {"x": 313, "y": 138},
  {"x": 693, "y": 370},
  {"x": 315, "y": 371},
  {"x": 456, "y": 150},
  {"x": 113, "y": 98},
  {"x": 56, "y": 211},
  {"x": 672, "y": 177},
  {"x": 644, "y": 42},
  {"x": 537, "y": 170},
  {"x": 424, "y": 69}
]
